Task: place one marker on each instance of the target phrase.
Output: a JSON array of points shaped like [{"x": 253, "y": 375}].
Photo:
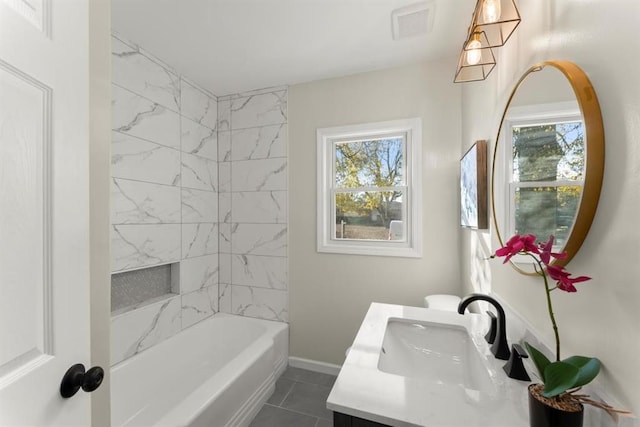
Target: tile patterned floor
[{"x": 300, "y": 400}]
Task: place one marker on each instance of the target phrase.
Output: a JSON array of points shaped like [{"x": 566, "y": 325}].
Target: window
[
  {"x": 545, "y": 171},
  {"x": 369, "y": 201}
]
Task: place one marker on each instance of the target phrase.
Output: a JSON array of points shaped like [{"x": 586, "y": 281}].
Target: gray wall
[
  {"x": 330, "y": 293},
  {"x": 602, "y": 318}
]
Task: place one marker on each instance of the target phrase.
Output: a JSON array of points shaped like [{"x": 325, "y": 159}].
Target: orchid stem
[{"x": 549, "y": 306}]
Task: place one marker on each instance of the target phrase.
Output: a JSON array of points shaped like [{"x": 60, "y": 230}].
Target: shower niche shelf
[{"x": 137, "y": 288}]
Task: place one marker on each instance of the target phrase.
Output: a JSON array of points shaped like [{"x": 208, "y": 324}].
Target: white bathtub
[{"x": 216, "y": 373}]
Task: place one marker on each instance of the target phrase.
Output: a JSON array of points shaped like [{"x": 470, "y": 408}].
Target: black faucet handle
[
  {"x": 493, "y": 328},
  {"x": 514, "y": 367},
  {"x": 522, "y": 353}
]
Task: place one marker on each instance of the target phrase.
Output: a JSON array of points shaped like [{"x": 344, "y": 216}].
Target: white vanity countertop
[{"x": 364, "y": 391}]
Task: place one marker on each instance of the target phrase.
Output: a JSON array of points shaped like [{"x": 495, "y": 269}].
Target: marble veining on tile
[
  {"x": 226, "y": 231},
  {"x": 134, "y": 246},
  {"x": 137, "y": 159},
  {"x": 224, "y": 297},
  {"x": 199, "y": 173},
  {"x": 198, "y": 105},
  {"x": 259, "y": 239},
  {"x": 259, "y": 271},
  {"x": 148, "y": 54},
  {"x": 254, "y": 92},
  {"x": 224, "y": 146},
  {"x": 199, "y": 305},
  {"x": 259, "y": 143},
  {"x": 224, "y": 263},
  {"x": 199, "y": 206},
  {"x": 260, "y": 207},
  {"x": 135, "y": 202},
  {"x": 199, "y": 140},
  {"x": 135, "y": 71},
  {"x": 262, "y": 303},
  {"x": 259, "y": 175},
  {"x": 224, "y": 115},
  {"x": 137, "y": 330},
  {"x": 226, "y": 158},
  {"x": 224, "y": 177},
  {"x": 252, "y": 210},
  {"x": 199, "y": 239},
  {"x": 164, "y": 194},
  {"x": 198, "y": 273},
  {"x": 259, "y": 110},
  {"x": 138, "y": 116},
  {"x": 224, "y": 207}
]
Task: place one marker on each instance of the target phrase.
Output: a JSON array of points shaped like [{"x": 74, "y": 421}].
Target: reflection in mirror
[
  {"x": 547, "y": 159},
  {"x": 541, "y": 184}
]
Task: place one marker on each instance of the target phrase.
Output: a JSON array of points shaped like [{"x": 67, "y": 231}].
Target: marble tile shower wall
[
  {"x": 252, "y": 155},
  {"x": 164, "y": 194}
]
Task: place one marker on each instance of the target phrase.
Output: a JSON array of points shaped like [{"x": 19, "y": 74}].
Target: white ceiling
[{"x": 231, "y": 46}]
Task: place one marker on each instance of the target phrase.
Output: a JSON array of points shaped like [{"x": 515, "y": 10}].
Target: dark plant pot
[{"x": 543, "y": 415}]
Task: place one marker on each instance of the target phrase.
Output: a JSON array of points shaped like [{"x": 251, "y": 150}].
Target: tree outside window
[
  {"x": 369, "y": 182},
  {"x": 369, "y": 198}
]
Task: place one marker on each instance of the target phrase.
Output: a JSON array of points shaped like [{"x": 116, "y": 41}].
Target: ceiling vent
[{"x": 412, "y": 20}]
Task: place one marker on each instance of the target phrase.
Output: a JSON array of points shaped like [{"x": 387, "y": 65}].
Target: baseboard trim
[{"x": 314, "y": 365}]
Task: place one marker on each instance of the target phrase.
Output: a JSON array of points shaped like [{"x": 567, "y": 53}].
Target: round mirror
[{"x": 548, "y": 159}]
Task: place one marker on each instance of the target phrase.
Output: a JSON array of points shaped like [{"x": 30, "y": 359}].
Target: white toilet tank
[{"x": 442, "y": 302}]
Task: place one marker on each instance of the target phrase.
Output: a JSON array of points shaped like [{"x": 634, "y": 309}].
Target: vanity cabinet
[{"x": 344, "y": 420}]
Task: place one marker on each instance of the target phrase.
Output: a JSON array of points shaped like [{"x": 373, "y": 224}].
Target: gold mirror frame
[{"x": 594, "y": 165}]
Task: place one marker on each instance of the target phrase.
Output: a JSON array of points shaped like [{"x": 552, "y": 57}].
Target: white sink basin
[
  {"x": 435, "y": 352},
  {"x": 416, "y": 367}
]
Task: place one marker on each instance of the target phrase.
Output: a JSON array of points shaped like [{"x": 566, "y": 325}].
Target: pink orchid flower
[
  {"x": 546, "y": 254},
  {"x": 541, "y": 256},
  {"x": 517, "y": 244},
  {"x": 563, "y": 281}
]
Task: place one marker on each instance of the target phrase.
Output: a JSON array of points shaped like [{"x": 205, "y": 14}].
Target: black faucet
[{"x": 500, "y": 347}]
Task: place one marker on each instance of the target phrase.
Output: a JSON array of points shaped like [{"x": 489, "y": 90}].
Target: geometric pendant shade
[
  {"x": 497, "y": 18},
  {"x": 492, "y": 23},
  {"x": 476, "y": 60}
]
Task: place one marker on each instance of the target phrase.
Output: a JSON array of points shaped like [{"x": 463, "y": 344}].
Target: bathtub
[{"x": 216, "y": 373}]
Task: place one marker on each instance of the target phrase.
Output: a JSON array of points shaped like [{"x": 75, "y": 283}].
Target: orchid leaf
[
  {"x": 559, "y": 377},
  {"x": 588, "y": 369},
  {"x": 539, "y": 359}
]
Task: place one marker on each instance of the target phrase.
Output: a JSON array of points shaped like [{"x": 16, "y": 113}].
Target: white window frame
[
  {"x": 532, "y": 115},
  {"x": 411, "y": 244}
]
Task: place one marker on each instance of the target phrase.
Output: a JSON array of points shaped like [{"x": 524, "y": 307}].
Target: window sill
[{"x": 369, "y": 250}]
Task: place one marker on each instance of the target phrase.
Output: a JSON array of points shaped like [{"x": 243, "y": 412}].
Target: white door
[{"x": 44, "y": 211}]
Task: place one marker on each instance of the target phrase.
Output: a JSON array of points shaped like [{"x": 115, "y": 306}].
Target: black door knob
[{"x": 76, "y": 378}]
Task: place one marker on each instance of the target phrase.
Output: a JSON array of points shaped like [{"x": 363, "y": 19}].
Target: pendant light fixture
[
  {"x": 492, "y": 22},
  {"x": 497, "y": 18},
  {"x": 476, "y": 60}
]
